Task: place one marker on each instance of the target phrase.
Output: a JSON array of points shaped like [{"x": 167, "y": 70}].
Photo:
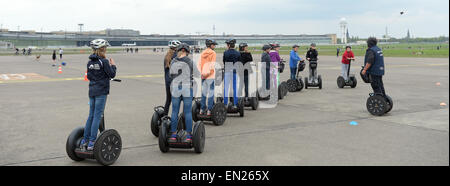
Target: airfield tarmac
[{"x": 310, "y": 127}]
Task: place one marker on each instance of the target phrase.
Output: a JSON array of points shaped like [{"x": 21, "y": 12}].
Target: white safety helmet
[
  {"x": 174, "y": 43},
  {"x": 99, "y": 43}
]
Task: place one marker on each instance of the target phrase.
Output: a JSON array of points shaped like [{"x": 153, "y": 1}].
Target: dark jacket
[
  {"x": 100, "y": 72},
  {"x": 231, "y": 55},
  {"x": 312, "y": 54},
  {"x": 246, "y": 57},
  {"x": 374, "y": 56},
  {"x": 177, "y": 64},
  {"x": 265, "y": 58}
]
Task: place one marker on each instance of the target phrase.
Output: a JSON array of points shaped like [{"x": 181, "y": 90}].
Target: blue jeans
[
  {"x": 207, "y": 90},
  {"x": 97, "y": 106},
  {"x": 187, "y": 103},
  {"x": 227, "y": 85},
  {"x": 293, "y": 73}
]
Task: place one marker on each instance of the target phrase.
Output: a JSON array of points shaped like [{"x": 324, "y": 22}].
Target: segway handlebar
[{"x": 116, "y": 80}]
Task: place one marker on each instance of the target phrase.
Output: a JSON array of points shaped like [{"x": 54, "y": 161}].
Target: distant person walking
[
  {"x": 23, "y": 51},
  {"x": 136, "y": 50},
  {"x": 338, "y": 50},
  {"x": 54, "y": 58},
  {"x": 61, "y": 52}
]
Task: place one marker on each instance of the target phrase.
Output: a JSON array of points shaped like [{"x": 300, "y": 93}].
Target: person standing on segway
[
  {"x": 346, "y": 58},
  {"x": 184, "y": 89},
  {"x": 231, "y": 56},
  {"x": 275, "y": 57},
  {"x": 100, "y": 72},
  {"x": 293, "y": 62},
  {"x": 207, "y": 69},
  {"x": 171, "y": 54},
  {"x": 245, "y": 58},
  {"x": 312, "y": 53},
  {"x": 374, "y": 66},
  {"x": 265, "y": 58}
]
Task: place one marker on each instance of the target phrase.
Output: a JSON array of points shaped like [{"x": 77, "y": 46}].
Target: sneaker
[
  {"x": 208, "y": 113},
  {"x": 83, "y": 144},
  {"x": 188, "y": 139},
  {"x": 173, "y": 138},
  {"x": 91, "y": 146}
]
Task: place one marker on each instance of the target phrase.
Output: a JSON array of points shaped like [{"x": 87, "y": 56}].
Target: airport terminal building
[{"x": 120, "y": 37}]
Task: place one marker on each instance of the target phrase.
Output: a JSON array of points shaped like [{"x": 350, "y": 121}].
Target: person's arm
[
  {"x": 370, "y": 60},
  {"x": 110, "y": 68}
]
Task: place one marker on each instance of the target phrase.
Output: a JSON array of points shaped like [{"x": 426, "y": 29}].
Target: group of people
[
  {"x": 101, "y": 70},
  {"x": 60, "y": 52},
  {"x": 136, "y": 50},
  {"x": 24, "y": 51}
]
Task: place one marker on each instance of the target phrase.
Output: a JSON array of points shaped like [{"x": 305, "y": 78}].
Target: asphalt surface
[{"x": 311, "y": 127}]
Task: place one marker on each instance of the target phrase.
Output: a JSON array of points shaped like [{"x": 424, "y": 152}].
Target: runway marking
[{"x": 46, "y": 79}]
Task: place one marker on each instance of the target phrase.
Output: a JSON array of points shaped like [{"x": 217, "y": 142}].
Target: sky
[{"x": 365, "y": 18}]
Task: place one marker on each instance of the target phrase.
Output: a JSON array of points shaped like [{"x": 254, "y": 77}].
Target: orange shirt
[{"x": 207, "y": 64}]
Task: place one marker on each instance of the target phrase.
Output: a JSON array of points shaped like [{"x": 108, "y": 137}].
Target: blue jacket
[
  {"x": 100, "y": 72},
  {"x": 377, "y": 67},
  {"x": 294, "y": 59},
  {"x": 231, "y": 55}
]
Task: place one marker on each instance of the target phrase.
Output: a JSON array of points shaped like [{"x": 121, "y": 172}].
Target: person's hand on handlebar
[{"x": 111, "y": 61}]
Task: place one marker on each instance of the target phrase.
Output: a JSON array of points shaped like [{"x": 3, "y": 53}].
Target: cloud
[{"x": 424, "y": 18}]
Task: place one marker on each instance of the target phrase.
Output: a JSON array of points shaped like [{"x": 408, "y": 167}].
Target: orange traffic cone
[
  {"x": 60, "y": 70},
  {"x": 85, "y": 77}
]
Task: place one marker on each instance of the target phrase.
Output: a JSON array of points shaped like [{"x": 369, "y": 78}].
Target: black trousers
[
  {"x": 377, "y": 85},
  {"x": 168, "y": 81}
]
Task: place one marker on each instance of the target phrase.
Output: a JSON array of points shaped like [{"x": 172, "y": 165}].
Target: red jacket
[{"x": 346, "y": 56}]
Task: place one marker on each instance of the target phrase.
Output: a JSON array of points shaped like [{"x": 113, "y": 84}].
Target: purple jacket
[{"x": 275, "y": 56}]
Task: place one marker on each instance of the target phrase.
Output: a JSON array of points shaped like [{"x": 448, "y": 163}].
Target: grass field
[
  {"x": 424, "y": 50},
  {"x": 391, "y": 50}
]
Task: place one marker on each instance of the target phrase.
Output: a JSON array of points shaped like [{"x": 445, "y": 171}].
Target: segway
[
  {"x": 155, "y": 123},
  {"x": 218, "y": 113},
  {"x": 352, "y": 82},
  {"x": 282, "y": 86},
  {"x": 314, "y": 80},
  {"x": 297, "y": 85},
  {"x": 379, "y": 105},
  {"x": 198, "y": 136},
  {"x": 252, "y": 102},
  {"x": 107, "y": 147}
]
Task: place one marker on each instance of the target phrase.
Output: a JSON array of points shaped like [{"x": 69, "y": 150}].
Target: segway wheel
[
  {"x": 320, "y": 82},
  {"x": 73, "y": 142},
  {"x": 390, "y": 104},
  {"x": 195, "y": 111},
  {"x": 163, "y": 132},
  {"x": 155, "y": 124},
  {"x": 284, "y": 88},
  {"x": 241, "y": 107},
  {"x": 377, "y": 105},
  {"x": 198, "y": 140},
  {"x": 301, "y": 85},
  {"x": 340, "y": 82},
  {"x": 107, "y": 148},
  {"x": 306, "y": 83},
  {"x": 219, "y": 114},
  {"x": 255, "y": 103},
  {"x": 355, "y": 82},
  {"x": 292, "y": 85}
]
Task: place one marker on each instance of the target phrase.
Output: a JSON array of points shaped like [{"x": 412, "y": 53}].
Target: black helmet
[
  {"x": 184, "y": 46},
  {"x": 313, "y": 45},
  {"x": 266, "y": 47},
  {"x": 242, "y": 46},
  {"x": 295, "y": 46},
  {"x": 230, "y": 41},
  {"x": 210, "y": 42},
  {"x": 348, "y": 46}
]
